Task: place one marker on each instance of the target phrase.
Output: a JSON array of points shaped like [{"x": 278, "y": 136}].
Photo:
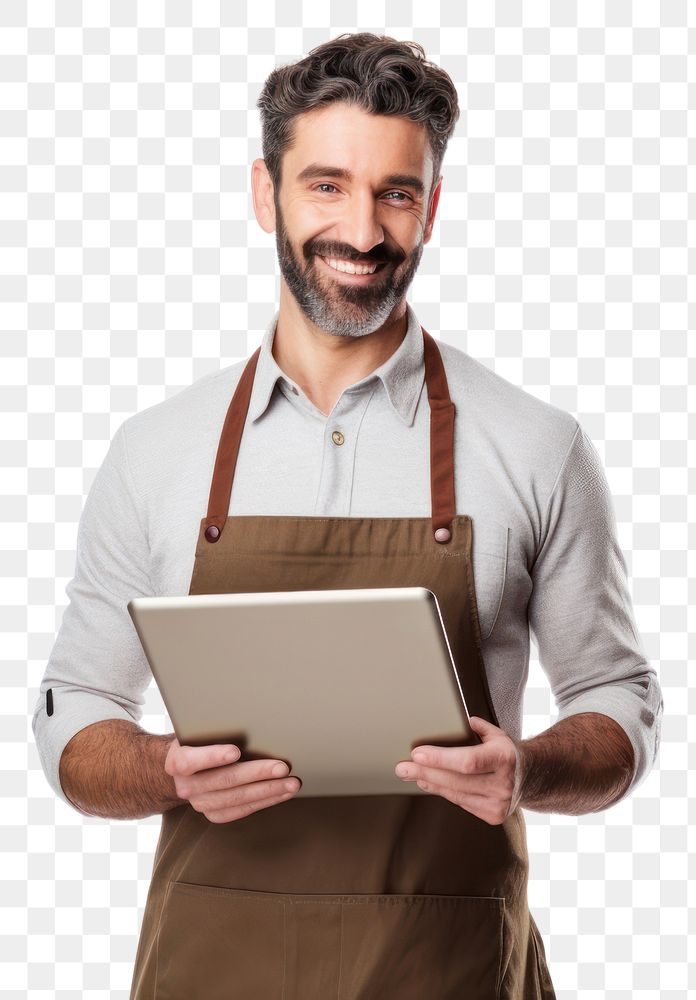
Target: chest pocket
[{"x": 489, "y": 557}]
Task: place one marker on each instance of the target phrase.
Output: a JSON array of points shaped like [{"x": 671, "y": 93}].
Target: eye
[{"x": 402, "y": 196}]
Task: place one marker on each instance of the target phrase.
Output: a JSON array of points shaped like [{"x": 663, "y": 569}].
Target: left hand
[{"x": 485, "y": 779}]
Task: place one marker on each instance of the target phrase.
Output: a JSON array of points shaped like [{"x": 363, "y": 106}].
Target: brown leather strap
[
  {"x": 441, "y": 443},
  {"x": 441, "y": 436},
  {"x": 228, "y": 450}
]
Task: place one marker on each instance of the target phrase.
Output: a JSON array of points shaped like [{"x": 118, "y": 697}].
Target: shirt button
[{"x": 337, "y": 437}]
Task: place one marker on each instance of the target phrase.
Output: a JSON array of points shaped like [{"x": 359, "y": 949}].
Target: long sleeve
[
  {"x": 580, "y": 610},
  {"x": 97, "y": 669}
]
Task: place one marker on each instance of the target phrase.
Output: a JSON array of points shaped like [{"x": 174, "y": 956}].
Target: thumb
[{"x": 486, "y": 730}]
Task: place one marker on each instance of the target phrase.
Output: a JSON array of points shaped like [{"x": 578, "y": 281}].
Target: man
[{"x": 352, "y": 450}]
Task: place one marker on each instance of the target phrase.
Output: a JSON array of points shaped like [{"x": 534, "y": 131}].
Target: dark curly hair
[{"x": 383, "y": 75}]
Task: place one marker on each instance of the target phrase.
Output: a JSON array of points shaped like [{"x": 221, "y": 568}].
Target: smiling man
[
  {"x": 389, "y": 212},
  {"x": 359, "y": 224},
  {"x": 353, "y": 450}
]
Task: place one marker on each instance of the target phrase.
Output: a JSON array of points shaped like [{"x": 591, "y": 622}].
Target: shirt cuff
[
  {"x": 73, "y": 710},
  {"x": 637, "y": 709}
]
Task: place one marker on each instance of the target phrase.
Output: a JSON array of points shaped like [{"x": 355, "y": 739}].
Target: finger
[
  {"x": 467, "y": 760},
  {"x": 245, "y": 809},
  {"x": 239, "y": 773},
  {"x": 481, "y": 806},
  {"x": 472, "y": 784},
  {"x": 226, "y": 798},
  {"x": 485, "y": 729},
  {"x": 187, "y": 760}
]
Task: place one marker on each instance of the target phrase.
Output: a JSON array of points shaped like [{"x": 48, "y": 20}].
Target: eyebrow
[{"x": 396, "y": 180}]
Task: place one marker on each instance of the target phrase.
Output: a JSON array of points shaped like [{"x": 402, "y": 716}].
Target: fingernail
[{"x": 279, "y": 770}]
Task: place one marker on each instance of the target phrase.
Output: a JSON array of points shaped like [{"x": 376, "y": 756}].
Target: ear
[
  {"x": 262, "y": 195},
  {"x": 432, "y": 210}
]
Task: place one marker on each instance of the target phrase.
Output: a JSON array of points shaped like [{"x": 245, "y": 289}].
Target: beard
[{"x": 335, "y": 306}]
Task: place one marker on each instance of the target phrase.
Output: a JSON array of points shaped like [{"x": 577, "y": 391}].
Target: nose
[{"x": 359, "y": 226}]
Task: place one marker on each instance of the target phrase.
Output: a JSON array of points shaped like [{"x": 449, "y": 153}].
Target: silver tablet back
[{"x": 340, "y": 683}]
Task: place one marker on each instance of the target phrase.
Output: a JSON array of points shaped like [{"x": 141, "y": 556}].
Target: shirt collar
[{"x": 402, "y": 374}]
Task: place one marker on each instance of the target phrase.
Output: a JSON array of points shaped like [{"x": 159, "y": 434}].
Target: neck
[{"x": 322, "y": 364}]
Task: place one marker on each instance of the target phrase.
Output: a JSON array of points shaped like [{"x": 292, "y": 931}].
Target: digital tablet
[{"x": 341, "y": 684}]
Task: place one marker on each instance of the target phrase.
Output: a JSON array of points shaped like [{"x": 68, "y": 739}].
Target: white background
[{"x": 131, "y": 264}]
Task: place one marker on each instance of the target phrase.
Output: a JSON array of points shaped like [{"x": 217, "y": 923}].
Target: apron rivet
[
  {"x": 212, "y": 533},
  {"x": 443, "y": 535}
]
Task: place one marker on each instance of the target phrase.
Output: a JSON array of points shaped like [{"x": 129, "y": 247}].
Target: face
[{"x": 353, "y": 196}]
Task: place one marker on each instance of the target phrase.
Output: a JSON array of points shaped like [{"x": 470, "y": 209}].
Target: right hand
[{"x": 222, "y": 788}]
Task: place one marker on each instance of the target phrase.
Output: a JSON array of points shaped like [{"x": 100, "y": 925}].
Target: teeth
[{"x": 349, "y": 267}]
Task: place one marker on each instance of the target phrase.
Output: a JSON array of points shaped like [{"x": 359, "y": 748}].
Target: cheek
[
  {"x": 305, "y": 215},
  {"x": 307, "y": 227},
  {"x": 404, "y": 233}
]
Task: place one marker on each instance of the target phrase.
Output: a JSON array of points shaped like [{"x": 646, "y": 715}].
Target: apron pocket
[
  {"x": 489, "y": 556},
  {"x": 218, "y": 944},
  {"x": 415, "y": 946},
  {"x": 238, "y": 944}
]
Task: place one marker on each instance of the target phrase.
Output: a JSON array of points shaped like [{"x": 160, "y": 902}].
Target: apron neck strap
[
  {"x": 442, "y": 412},
  {"x": 441, "y": 440}
]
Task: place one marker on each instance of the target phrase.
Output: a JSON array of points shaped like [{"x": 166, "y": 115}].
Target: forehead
[{"x": 365, "y": 144}]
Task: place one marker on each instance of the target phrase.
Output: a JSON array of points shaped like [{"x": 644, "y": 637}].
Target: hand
[
  {"x": 220, "y": 787},
  {"x": 485, "y": 779}
]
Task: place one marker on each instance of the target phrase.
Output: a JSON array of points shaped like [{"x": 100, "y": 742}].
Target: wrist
[
  {"x": 158, "y": 747},
  {"x": 522, "y": 764}
]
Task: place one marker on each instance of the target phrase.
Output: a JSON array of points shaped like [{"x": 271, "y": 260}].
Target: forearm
[
  {"x": 115, "y": 769},
  {"x": 579, "y": 765}
]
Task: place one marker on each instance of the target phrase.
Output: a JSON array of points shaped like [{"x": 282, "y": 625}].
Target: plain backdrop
[{"x": 131, "y": 263}]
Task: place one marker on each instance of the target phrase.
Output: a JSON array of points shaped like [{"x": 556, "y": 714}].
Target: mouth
[{"x": 352, "y": 272}]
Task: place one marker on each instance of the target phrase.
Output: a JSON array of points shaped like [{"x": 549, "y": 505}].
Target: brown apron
[{"x": 371, "y": 897}]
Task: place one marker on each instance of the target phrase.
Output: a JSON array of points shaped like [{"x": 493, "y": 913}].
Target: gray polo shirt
[{"x": 547, "y": 563}]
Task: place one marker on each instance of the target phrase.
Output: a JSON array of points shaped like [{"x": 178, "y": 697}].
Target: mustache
[{"x": 346, "y": 254}]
